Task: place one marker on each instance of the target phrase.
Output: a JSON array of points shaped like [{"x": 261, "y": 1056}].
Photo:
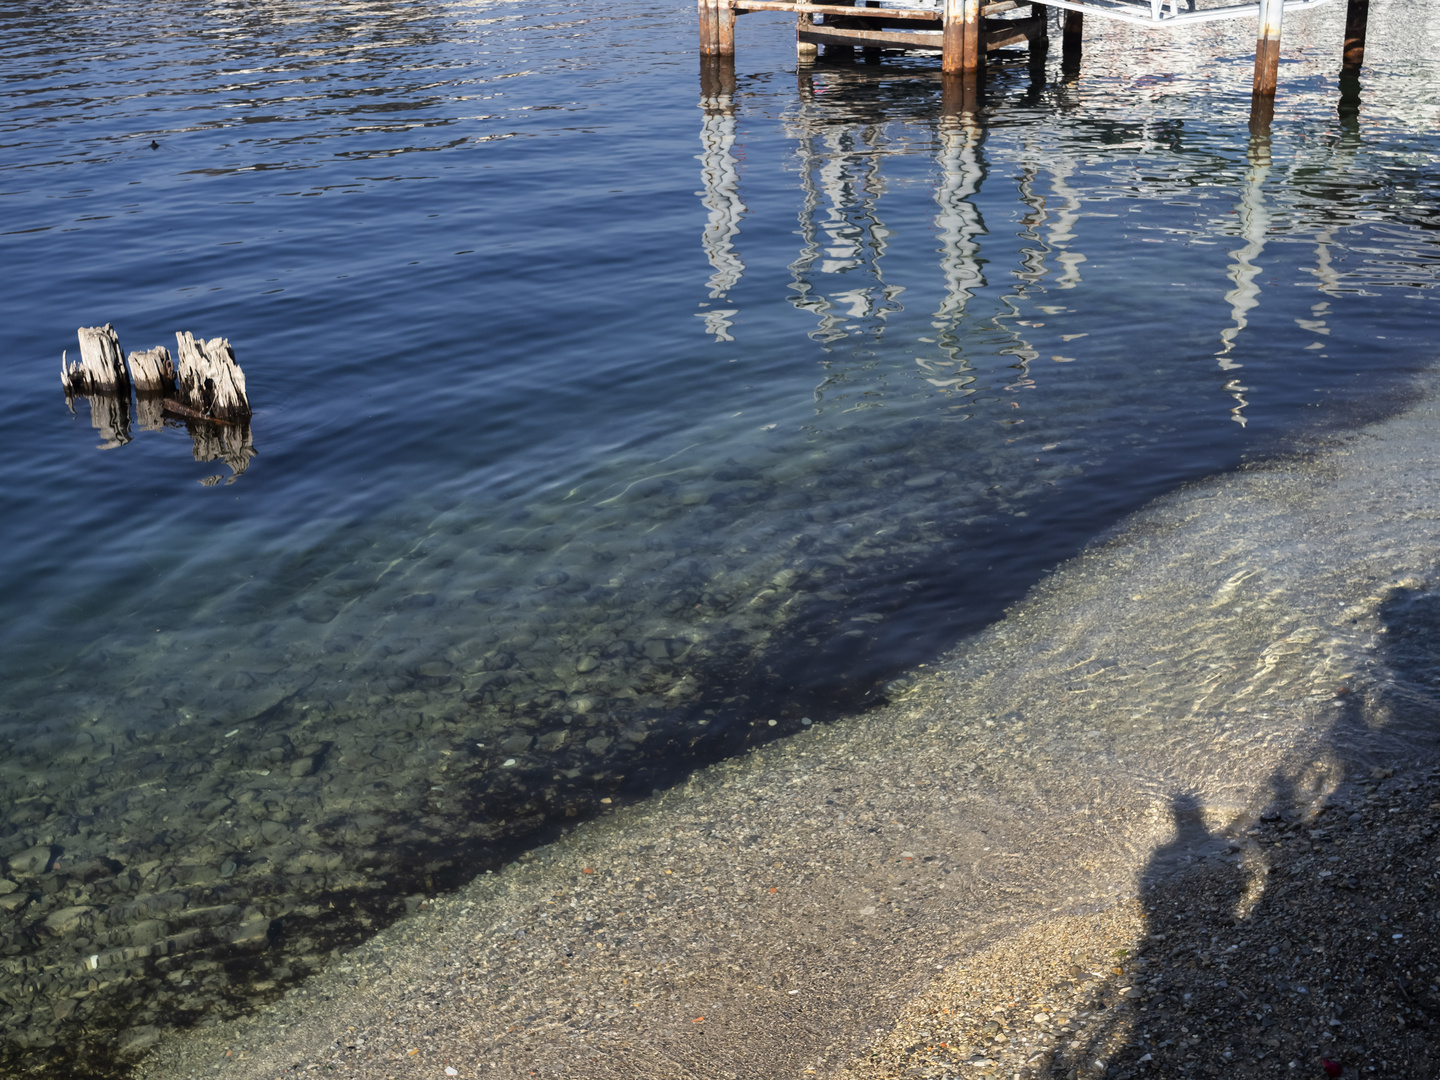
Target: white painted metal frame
[{"x": 1156, "y": 16}]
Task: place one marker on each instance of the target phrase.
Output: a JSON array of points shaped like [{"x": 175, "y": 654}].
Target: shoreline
[{"x": 1236, "y": 655}]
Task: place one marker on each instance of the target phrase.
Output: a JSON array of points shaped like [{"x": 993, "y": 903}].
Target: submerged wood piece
[
  {"x": 152, "y": 370},
  {"x": 999, "y": 36},
  {"x": 1002, "y": 35},
  {"x": 208, "y": 382},
  {"x": 101, "y": 367}
]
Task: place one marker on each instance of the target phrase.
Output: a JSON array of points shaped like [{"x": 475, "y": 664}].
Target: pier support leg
[
  {"x": 1267, "y": 65},
  {"x": 1356, "y": 19},
  {"x": 961, "y": 45},
  {"x": 805, "y": 51},
  {"x": 1040, "y": 43},
  {"x": 725, "y": 21},
  {"x": 1073, "y": 34},
  {"x": 1267, "y": 48},
  {"x": 717, "y": 28}
]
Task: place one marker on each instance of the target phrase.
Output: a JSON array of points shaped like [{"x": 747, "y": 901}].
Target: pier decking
[{"x": 965, "y": 31}]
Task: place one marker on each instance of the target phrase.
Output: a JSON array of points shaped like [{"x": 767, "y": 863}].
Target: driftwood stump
[
  {"x": 152, "y": 371},
  {"x": 202, "y": 387},
  {"x": 99, "y": 379},
  {"x": 153, "y": 374},
  {"x": 208, "y": 382},
  {"x": 101, "y": 367}
]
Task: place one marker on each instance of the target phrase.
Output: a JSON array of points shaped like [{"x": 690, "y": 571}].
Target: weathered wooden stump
[
  {"x": 208, "y": 382},
  {"x": 153, "y": 371},
  {"x": 101, "y": 367},
  {"x": 99, "y": 379}
]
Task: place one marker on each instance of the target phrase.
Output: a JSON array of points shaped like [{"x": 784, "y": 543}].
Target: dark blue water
[{"x": 606, "y": 418}]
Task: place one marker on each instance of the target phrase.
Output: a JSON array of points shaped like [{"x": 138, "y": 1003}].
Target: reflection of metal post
[
  {"x": 720, "y": 180},
  {"x": 1073, "y": 35},
  {"x": 961, "y": 172},
  {"x": 959, "y": 95},
  {"x": 1355, "y": 20},
  {"x": 1254, "y": 221}
]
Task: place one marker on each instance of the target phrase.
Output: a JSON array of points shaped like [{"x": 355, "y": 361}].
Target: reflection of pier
[
  {"x": 843, "y": 235},
  {"x": 720, "y": 179},
  {"x": 842, "y": 136}
]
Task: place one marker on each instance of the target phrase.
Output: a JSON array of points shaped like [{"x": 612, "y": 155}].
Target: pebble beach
[{"x": 1078, "y": 847}]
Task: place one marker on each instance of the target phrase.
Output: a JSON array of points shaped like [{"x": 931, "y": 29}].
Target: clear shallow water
[{"x": 595, "y": 430}]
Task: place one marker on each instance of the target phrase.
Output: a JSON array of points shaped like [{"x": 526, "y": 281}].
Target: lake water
[{"x": 611, "y": 416}]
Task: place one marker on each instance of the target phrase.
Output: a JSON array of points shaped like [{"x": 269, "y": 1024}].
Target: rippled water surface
[{"x": 610, "y": 414}]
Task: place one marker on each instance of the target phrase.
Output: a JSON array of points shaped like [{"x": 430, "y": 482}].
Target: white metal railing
[{"x": 1156, "y": 15}]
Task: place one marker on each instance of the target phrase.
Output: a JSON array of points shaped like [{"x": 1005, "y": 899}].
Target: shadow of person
[{"x": 1300, "y": 941}]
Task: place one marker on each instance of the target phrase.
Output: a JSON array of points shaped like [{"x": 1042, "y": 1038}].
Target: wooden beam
[
  {"x": 1013, "y": 32},
  {"x": 833, "y": 9},
  {"x": 900, "y": 39}
]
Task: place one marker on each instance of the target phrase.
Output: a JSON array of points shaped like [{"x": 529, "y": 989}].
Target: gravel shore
[
  {"x": 1149, "y": 824},
  {"x": 1312, "y": 941}
]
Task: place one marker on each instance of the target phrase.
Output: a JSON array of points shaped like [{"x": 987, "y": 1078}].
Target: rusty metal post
[
  {"x": 1073, "y": 34},
  {"x": 1267, "y": 49},
  {"x": 952, "y": 52},
  {"x": 962, "y": 49},
  {"x": 1356, "y": 19},
  {"x": 974, "y": 46},
  {"x": 724, "y": 28},
  {"x": 709, "y": 27}
]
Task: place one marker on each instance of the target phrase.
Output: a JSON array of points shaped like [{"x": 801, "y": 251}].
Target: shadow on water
[{"x": 1300, "y": 941}]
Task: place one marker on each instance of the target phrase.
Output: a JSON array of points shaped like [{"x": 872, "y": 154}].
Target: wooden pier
[{"x": 964, "y": 32}]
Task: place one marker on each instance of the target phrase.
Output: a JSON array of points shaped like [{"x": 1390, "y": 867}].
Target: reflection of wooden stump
[
  {"x": 109, "y": 415},
  {"x": 229, "y": 443},
  {"x": 208, "y": 382},
  {"x": 101, "y": 367}
]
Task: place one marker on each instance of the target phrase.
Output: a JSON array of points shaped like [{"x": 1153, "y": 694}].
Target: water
[{"x": 596, "y": 433}]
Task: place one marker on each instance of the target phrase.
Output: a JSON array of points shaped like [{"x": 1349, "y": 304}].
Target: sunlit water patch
[{"x": 596, "y": 433}]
